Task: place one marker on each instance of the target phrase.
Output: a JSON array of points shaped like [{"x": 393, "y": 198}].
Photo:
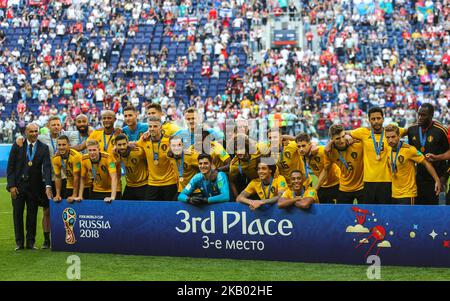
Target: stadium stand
[{"x": 67, "y": 57}]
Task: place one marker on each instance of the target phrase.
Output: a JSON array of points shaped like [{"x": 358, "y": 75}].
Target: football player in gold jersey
[
  {"x": 327, "y": 172},
  {"x": 402, "y": 160},
  {"x": 136, "y": 172},
  {"x": 100, "y": 167},
  {"x": 185, "y": 161},
  {"x": 297, "y": 194},
  {"x": 267, "y": 188},
  {"x": 349, "y": 159},
  {"x": 162, "y": 179},
  {"x": 67, "y": 161}
]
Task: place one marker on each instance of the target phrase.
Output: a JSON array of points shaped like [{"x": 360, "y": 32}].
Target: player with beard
[
  {"x": 430, "y": 137},
  {"x": 377, "y": 177},
  {"x": 106, "y": 139},
  {"x": 185, "y": 161},
  {"x": 244, "y": 166},
  {"x": 349, "y": 159},
  {"x": 68, "y": 162},
  {"x": 83, "y": 132},
  {"x": 402, "y": 160},
  {"x": 136, "y": 172}
]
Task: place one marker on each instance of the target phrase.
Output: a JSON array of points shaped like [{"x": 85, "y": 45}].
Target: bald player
[
  {"x": 106, "y": 141},
  {"x": 82, "y": 133}
]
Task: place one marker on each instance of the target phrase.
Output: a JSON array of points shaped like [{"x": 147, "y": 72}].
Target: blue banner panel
[
  {"x": 4, "y": 155},
  {"x": 346, "y": 234}
]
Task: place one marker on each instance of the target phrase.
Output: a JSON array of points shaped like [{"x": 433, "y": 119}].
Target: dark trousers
[
  {"x": 403, "y": 201},
  {"x": 425, "y": 193},
  {"x": 32, "y": 210},
  {"x": 134, "y": 193},
  {"x": 328, "y": 195},
  {"x": 162, "y": 193},
  {"x": 95, "y": 195},
  {"x": 349, "y": 197},
  {"x": 377, "y": 193}
]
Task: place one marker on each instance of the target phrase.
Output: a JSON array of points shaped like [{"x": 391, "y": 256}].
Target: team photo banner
[{"x": 345, "y": 234}]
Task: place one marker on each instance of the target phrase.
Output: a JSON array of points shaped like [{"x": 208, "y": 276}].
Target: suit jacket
[{"x": 26, "y": 178}]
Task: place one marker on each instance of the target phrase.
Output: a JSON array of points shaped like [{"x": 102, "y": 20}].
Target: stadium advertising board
[{"x": 399, "y": 235}]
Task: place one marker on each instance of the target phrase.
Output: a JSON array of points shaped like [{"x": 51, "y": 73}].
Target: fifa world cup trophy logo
[{"x": 69, "y": 217}]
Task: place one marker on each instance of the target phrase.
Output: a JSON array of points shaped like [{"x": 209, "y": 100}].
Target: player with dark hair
[
  {"x": 106, "y": 140},
  {"x": 402, "y": 159},
  {"x": 133, "y": 129},
  {"x": 328, "y": 173},
  {"x": 66, "y": 161},
  {"x": 167, "y": 128},
  {"x": 349, "y": 159},
  {"x": 377, "y": 178},
  {"x": 429, "y": 136},
  {"x": 296, "y": 194},
  {"x": 136, "y": 172},
  {"x": 267, "y": 188},
  {"x": 193, "y": 123},
  {"x": 220, "y": 158},
  {"x": 243, "y": 167},
  {"x": 185, "y": 161},
  {"x": 213, "y": 189}
]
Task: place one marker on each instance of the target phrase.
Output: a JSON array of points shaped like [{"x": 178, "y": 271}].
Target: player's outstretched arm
[{"x": 441, "y": 157}]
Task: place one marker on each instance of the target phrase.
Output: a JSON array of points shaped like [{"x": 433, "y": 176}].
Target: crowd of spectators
[{"x": 72, "y": 60}]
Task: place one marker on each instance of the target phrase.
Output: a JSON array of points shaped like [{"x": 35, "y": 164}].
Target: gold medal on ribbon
[
  {"x": 181, "y": 180},
  {"x": 155, "y": 162},
  {"x": 422, "y": 149},
  {"x": 378, "y": 158},
  {"x": 30, "y": 163}
]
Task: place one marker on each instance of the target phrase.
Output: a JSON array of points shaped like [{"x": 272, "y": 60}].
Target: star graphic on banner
[
  {"x": 433, "y": 234},
  {"x": 416, "y": 227}
]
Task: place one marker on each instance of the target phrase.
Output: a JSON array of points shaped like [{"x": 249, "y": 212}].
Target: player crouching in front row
[
  {"x": 296, "y": 194},
  {"x": 266, "y": 188},
  {"x": 213, "y": 186}
]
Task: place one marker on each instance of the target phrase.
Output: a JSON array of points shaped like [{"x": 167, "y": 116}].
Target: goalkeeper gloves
[{"x": 197, "y": 200}]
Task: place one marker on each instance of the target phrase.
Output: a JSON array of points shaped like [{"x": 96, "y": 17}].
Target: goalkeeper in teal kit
[{"x": 213, "y": 186}]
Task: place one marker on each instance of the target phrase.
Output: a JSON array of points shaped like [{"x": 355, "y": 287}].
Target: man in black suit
[{"x": 28, "y": 168}]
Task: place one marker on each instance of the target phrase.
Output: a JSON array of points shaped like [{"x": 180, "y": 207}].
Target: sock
[{"x": 47, "y": 236}]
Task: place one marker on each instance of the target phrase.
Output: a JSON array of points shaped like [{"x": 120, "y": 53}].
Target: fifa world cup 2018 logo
[{"x": 69, "y": 217}]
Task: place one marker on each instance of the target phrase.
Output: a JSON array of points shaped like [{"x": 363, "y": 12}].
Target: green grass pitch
[{"x": 48, "y": 265}]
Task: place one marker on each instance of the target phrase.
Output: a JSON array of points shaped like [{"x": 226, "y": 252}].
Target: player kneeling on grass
[
  {"x": 100, "y": 167},
  {"x": 212, "y": 184},
  {"x": 296, "y": 194},
  {"x": 266, "y": 188},
  {"x": 67, "y": 161}
]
